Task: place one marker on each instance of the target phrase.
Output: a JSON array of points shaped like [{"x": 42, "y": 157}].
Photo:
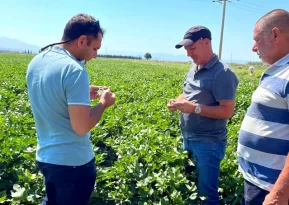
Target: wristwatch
[{"x": 198, "y": 109}]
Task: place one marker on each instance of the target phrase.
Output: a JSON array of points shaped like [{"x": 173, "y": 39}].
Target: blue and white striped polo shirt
[{"x": 263, "y": 142}]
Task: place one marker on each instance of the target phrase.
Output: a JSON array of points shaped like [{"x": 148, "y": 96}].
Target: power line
[
  {"x": 255, "y": 4},
  {"x": 246, "y": 8},
  {"x": 203, "y": 1}
]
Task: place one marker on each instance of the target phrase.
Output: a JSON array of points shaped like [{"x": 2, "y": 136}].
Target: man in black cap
[{"x": 207, "y": 101}]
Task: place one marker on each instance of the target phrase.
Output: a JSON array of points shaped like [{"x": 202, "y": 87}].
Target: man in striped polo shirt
[{"x": 264, "y": 136}]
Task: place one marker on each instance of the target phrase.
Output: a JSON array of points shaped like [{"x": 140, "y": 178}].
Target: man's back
[{"x": 55, "y": 80}]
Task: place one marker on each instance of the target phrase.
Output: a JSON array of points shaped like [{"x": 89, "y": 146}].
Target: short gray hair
[{"x": 278, "y": 18}]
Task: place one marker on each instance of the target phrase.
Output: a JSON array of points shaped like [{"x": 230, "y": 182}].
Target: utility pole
[{"x": 222, "y": 28}]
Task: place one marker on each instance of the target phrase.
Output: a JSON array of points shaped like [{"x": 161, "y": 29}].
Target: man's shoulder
[
  {"x": 222, "y": 66},
  {"x": 224, "y": 73},
  {"x": 54, "y": 61}
]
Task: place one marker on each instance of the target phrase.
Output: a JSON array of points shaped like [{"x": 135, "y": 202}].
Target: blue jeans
[
  {"x": 208, "y": 156},
  {"x": 253, "y": 195},
  {"x": 67, "y": 184}
]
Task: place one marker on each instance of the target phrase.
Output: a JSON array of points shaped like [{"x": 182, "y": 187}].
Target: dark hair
[
  {"x": 276, "y": 18},
  {"x": 80, "y": 24}
]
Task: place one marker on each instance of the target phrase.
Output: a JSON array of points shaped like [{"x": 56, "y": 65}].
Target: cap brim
[{"x": 185, "y": 42}]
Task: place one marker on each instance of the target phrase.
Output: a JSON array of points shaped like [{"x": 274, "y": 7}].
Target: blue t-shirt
[
  {"x": 211, "y": 83},
  {"x": 55, "y": 79}
]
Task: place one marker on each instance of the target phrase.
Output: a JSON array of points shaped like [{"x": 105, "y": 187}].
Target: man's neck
[
  {"x": 282, "y": 49},
  {"x": 70, "y": 49},
  {"x": 207, "y": 59},
  {"x": 282, "y": 55}
]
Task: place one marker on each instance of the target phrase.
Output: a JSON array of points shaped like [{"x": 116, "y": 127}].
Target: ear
[
  {"x": 276, "y": 34},
  {"x": 207, "y": 42},
  {"x": 82, "y": 40}
]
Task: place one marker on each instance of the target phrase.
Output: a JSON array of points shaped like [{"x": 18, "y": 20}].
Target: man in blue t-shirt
[
  {"x": 206, "y": 103},
  {"x": 60, "y": 94}
]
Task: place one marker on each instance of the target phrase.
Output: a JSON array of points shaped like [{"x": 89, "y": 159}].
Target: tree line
[
  {"x": 147, "y": 56},
  {"x": 10, "y": 51},
  {"x": 118, "y": 56}
]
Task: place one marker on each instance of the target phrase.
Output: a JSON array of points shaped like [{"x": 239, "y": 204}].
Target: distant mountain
[
  {"x": 16, "y": 45},
  {"x": 155, "y": 56},
  {"x": 9, "y": 44},
  {"x": 168, "y": 57},
  {"x": 184, "y": 58}
]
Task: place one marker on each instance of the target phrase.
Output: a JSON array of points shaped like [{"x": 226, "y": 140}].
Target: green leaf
[{"x": 2, "y": 196}]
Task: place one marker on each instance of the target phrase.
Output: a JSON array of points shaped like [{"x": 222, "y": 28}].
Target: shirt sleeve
[
  {"x": 76, "y": 84},
  {"x": 225, "y": 85}
]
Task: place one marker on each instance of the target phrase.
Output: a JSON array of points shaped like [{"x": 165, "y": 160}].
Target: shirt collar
[
  {"x": 62, "y": 50},
  {"x": 210, "y": 64}
]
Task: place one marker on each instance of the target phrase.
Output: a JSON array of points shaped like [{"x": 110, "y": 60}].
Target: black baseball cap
[{"x": 194, "y": 34}]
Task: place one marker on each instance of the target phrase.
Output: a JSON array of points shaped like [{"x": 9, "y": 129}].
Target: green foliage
[{"x": 138, "y": 144}]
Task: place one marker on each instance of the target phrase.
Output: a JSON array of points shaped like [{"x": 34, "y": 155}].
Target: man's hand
[
  {"x": 185, "y": 106},
  {"x": 274, "y": 199},
  {"x": 94, "y": 91},
  {"x": 171, "y": 105},
  {"x": 107, "y": 98},
  {"x": 83, "y": 118}
]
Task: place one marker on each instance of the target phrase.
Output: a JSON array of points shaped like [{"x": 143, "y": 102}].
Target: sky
[{"x": 139, "y": 26}]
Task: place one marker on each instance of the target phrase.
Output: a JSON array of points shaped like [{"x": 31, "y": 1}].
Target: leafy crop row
[{"x": 138, "y": 144}]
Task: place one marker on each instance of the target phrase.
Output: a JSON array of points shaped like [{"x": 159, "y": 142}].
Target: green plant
[{"x": 137, "y": 143}]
